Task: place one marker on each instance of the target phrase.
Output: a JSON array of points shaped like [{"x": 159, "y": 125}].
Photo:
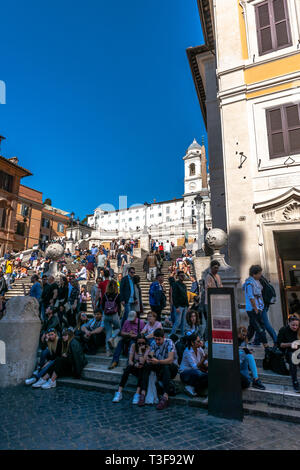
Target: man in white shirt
[
  {"x": 167, "y": 248},
  {"x": 101, "y": 262},
  {"x": 81, "y": 276}
]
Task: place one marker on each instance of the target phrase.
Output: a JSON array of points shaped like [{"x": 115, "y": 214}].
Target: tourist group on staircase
[{"x": 153, "y": 311}]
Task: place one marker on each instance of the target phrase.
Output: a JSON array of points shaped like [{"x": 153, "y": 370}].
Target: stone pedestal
[
  {"x": 216, "y": 239},
  {"x": 70, "y": 244},
  {"x": 145, "y": 242},
  {"x": 19, "y": 335},
  {"x": 201, "y": 265}
]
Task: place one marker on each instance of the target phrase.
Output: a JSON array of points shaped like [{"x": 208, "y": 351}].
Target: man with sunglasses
[
  {"x": 162, "y": 359},
  {"x": 127, "y": 294}
]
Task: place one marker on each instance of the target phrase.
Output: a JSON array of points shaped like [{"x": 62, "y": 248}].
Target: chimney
[
  {"x": 1, "y": 138},
  {"x": 203, "y": 166},
  {"x": 14, "y": 160}
]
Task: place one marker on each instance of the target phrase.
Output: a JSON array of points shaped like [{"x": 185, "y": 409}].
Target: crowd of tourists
[{"x": 158, "y": 347}]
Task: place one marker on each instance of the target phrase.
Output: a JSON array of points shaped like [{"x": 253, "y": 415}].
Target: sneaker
[
  {"x": 111, "y": 343},
  {"x": 108, "y": 353},
  {"x": 49, "y": 384},
  {"x": 190, "y": 391},
  {"x": 141, "y": 401},
  {"x": 30, "y": 381},
  {"x": 296, "y": 387},
  {"x": 163, "y": 403},
  {"x": 113, "y": 365},
  {"x": 136, "y": 399},
  {"x": 204, "y": 401},
  {"x": 39, "y": 383},
  {"x": 118, "y": 397},
  {"x": 257, "y": 384}
]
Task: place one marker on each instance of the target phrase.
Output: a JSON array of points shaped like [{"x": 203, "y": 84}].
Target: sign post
[{"x": 224, "y": 380}]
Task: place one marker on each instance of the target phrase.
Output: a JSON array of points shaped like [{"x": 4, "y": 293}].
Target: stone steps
[{"x": 277, "y": 401}]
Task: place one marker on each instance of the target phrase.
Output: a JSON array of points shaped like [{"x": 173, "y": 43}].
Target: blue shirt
[
  {"x": 90, "y": 259},
  {"x": 93, "y": 324},
  {"x": 94, "y": 251},
  {"x": 131, "y": 298},
  {"x": 36, "y": 290},
  {"x": 253, "y": 290}
]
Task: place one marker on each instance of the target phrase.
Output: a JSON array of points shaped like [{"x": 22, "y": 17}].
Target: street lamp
[
  {"x": 198, "y": 202},
  {"x": 72, "y": 219}
]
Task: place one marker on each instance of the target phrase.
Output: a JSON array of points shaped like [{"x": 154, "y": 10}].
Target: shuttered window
[
  {"x": 283, "y": 124},
  {"x": 273, "y": 27}
]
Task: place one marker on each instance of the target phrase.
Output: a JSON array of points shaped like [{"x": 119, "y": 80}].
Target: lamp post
[
  {"x": 72, "y": 219},
  {"x": 198, "y": 202},
  {"x": 146, "y": 204}
]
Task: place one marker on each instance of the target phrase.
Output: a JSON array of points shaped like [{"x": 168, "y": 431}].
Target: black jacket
[
  {"x": 52, "y": 322},
  {"x": 179, "y": 293},
  {"x": 3, "y": 285},
  {"x": 125, "y": 290},
  {"x": 77, "y": 357}
]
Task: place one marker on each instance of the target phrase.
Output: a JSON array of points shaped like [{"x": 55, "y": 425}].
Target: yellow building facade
[{"x": 247, "y": 77}]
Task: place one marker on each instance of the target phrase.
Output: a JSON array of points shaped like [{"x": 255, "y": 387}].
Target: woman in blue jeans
[
  {"x": 255, "y": 304},
  {"x": 48, "y": 356},
  {"x": 193, "y": 368},
  {"x": 247, "y": 361}
]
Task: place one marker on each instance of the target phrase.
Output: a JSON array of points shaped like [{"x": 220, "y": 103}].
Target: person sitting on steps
[{"x": 138, "y": 355}]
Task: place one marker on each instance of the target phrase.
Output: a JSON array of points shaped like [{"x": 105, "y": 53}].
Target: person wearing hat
[{"x": 129, "y": 333}]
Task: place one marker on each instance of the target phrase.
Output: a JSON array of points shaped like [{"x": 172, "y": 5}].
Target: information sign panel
[{"x": 224, "y": 382}]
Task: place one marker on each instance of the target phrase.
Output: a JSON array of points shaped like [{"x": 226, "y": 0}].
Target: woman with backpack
[
  {"x": 111, "y": 305},
  {"x": 269, "y": 297}
]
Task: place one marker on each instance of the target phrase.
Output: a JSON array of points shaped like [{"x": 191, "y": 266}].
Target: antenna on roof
[{"x": 1, "y": 138}]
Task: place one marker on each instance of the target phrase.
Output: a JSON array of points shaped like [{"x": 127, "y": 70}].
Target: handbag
[{"x": 151, "y": 396}]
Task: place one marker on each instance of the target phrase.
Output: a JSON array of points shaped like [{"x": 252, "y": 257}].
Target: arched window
[{"x": 192, "y": 169}]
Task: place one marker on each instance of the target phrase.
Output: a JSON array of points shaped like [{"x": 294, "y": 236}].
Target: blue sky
[{"x": 100, "y": 97}]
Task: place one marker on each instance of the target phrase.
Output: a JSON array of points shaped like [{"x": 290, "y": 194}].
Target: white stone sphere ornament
[
  {"x": 216, "y": 238},
  {"x": 54, "y": 251}
]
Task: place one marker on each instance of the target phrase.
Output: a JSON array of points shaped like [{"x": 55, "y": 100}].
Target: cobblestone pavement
[{"x": 67, "y": 418}]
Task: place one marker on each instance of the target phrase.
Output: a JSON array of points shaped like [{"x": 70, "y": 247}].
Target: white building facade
[{"x": 175, "y": 220}]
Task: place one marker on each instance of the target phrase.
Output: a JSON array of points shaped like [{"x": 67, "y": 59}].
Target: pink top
[{"x": 148, "y": 329}]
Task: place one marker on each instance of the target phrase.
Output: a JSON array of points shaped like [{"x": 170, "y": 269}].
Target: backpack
[
  {"x": 268, "y": 291},
  {"x": 274, "y": 360},
  {"x": 111, "y": 306}
]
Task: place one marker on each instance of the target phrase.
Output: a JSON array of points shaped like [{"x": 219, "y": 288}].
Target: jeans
[
  {"x": 152, "y": 273},
  {"x": 195, "y": 378},
  {"x": 125, "y": 343},
  {"x": 168, "y": 256},
  {"x": 179, "y": 321},
  {"x": 137, "y": 372},
  {"x": 128, "y": 307},
  {"x": 173, "y": 314},
  {"x": 256, "y": 324},
  {"x": 268, "y": 326},
  {"x": 110, "y": 322},
  {"x": 247, "y": 362}
]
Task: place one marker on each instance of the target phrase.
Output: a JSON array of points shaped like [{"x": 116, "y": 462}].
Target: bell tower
[{"x": 192, "y": 169}]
